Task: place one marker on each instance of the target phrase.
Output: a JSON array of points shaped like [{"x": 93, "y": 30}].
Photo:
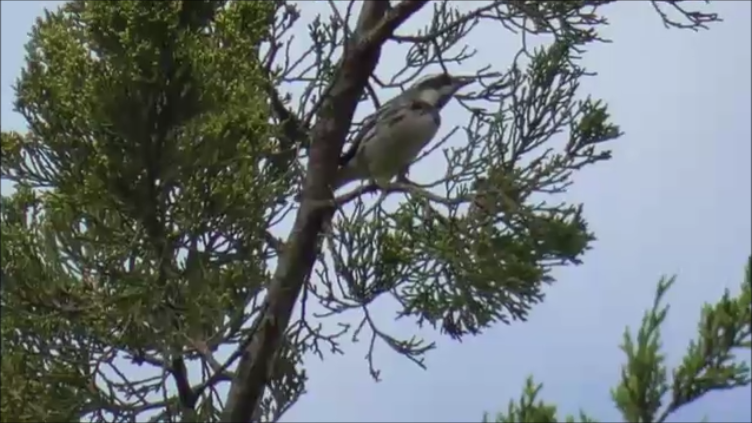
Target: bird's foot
[
  {"x": 402, "y": 178},
  {"x": 382, "y": 184}
]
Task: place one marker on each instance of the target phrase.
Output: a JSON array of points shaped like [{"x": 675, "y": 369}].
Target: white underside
[{"x": 382, "y": 159}]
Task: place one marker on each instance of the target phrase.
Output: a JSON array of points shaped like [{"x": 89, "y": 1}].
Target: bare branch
[
  {"x": 296, "y": 262},
  {"x": 186, "y": 394},
  {"x": 443, "y": 30}
]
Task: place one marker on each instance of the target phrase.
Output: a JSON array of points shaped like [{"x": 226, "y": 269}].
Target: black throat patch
[{"x": 424, "y": 108}]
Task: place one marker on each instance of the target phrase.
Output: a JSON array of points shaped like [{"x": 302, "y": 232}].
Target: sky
[{"x": 675, "y": 199}]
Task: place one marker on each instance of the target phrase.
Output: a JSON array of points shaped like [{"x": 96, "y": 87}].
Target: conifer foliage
[{"x": 145, "y": 272}]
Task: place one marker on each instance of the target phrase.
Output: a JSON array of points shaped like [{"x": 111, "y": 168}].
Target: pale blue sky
[{"x": 675, "y": 199}]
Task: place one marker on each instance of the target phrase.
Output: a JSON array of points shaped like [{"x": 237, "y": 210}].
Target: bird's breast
[{"x": 403, "y": 142}]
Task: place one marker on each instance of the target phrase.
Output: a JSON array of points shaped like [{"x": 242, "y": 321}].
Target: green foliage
[
  {"x": 462, "y": 271},
  {"x": 148, "y": 135},
  {"x": 646, "y": 393},
  {"x": 530, "y": 409},
  {"x": 162, "y": 152}
]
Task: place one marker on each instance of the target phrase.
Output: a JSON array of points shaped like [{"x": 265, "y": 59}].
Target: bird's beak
[{"x": 461, "y": 81}]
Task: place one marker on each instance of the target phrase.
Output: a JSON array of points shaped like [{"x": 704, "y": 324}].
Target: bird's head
[{"x": 438, "y": 89}]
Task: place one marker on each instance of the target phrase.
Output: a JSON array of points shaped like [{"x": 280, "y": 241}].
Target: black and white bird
[{"x": 392, "y": 137}]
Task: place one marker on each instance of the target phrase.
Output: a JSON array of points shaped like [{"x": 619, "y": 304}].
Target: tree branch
[
  {"x": 446, "y": 29},
  {"x": 392, "y": 20},
  {"x": 186, "y": 395},
  {"x": 294, "y": 267}
]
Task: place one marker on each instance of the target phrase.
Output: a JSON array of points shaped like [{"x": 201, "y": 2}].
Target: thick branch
[
  {"x": 393, "y": 19},
  {"x": 370, "y": 14},
  {"x": 186, "y": 394},
  {"x": 294, "y": 267}
]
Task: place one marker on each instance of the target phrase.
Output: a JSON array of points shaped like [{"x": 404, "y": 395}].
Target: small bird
[{"x": 392, "y": 137}]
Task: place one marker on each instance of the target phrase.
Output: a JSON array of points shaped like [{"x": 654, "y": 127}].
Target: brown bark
[{"x": 375, "y": 24}]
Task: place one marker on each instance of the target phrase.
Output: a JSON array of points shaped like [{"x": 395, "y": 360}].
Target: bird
[{"x": 393, "y": 136}]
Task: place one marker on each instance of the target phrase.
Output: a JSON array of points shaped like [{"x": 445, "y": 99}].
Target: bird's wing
[
  {"x": 389, "y": 113},
  {"x": 365, "y": 129}
]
